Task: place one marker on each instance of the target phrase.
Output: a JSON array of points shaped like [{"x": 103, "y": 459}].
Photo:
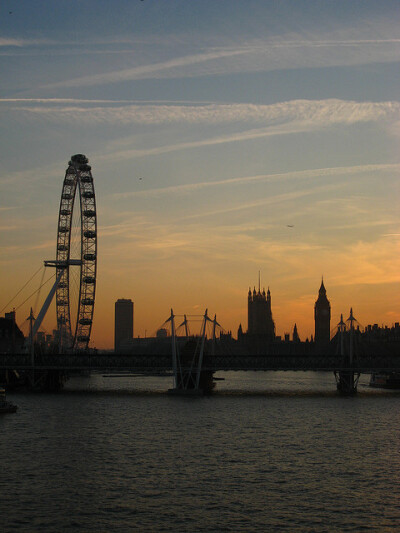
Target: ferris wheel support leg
[{"x": 44, "y": 308}]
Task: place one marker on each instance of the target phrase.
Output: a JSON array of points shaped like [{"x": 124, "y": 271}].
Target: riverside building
[{"x": 123, "y": 328}]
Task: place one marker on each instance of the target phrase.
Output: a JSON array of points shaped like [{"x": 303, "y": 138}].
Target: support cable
[
  {"x": 42, "y": 285},
  {"x": 29, "y": 280},
  {"x": 38, "y": 293}
]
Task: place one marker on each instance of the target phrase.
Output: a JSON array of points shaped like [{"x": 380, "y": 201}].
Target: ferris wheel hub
[{"x": 62, "y": 264}]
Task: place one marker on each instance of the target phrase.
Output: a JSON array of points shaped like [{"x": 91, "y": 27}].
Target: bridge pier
[
  {"x": 185, "y": 384},
  {"x": 11, "y": 379},
  {"x": 189, "y": 377},
  {"x": 347, "y": 381},
  {"x": 45, "y": 380}
]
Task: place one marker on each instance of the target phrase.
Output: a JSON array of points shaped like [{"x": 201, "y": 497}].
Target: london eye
[{"x": 76, "y": 259}]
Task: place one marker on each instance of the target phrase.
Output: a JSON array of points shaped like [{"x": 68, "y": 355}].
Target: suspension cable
[
  {"x": 13, "y": 298},
  {"x": 42, "y": 285},
  {"x": 38, "y": 292}
]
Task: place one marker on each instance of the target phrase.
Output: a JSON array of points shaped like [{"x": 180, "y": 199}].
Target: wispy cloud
[
  {"x": 280, "y": 119},
  {"x": 190, "y": 245},
  {"x": 262, "y": 202},
  {"x": 145, "y": 71},
  {"x": 61, "y": 101},
  {"x": 235, "y": 137},
  {"x": 252, "y": 56},
  {"x": 318, "y": 173},
  {"x": 22, "y": 47},
  {"x": 377, "y": 263},
  {"x": 8, "y": 228},
  {"x": 314, "y": 112},
  {"x": 32, "y": 175},
  {"x": 11, "y": 42},
  {"x": 15, "y": 250},
  {"x": 20, "y": 42},
  {"x": 7, "y": 208}
]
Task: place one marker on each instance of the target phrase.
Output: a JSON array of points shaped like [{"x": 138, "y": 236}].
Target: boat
[
  {"x": 5, "y": 406},
  {"x": 390, "y": 380}
]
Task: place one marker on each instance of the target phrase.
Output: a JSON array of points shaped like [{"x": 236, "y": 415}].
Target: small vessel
[
  {"x": 385, "y": 380},
  {"x": 5, "y": 406}
]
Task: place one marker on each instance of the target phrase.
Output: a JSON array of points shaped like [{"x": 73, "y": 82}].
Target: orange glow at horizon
[{"x": 189, "y": 283}]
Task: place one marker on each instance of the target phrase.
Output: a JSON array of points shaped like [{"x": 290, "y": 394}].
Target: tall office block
[{"x": 123, "y": 330}]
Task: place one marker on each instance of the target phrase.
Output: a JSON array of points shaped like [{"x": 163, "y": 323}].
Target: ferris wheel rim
[{"x": 77, "y": 189}]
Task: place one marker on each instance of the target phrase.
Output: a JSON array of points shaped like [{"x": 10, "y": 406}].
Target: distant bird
[
  {"x": 140, "y": 178},
  {"x": 290, "y": 226},
  {"x": 10, "y": 12}
]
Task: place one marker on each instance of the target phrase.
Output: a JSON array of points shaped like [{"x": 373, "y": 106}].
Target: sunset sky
[{"x": 242, "y": 119}]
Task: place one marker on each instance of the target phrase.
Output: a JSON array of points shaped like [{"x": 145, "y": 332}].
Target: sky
[{"x": 226, "y": 138}]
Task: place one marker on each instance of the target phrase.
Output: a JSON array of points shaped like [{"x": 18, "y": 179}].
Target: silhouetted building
[
  {"x": 11, "y": 337},
  {"x": 123, "y": 330},
  {"x": 162, "y": 333},
  {"x": 322, "y": 317},
  {"x": 259, "y": 313},
  {"x": 374, "y": 333},
  {"x": 296, "y": 337}
]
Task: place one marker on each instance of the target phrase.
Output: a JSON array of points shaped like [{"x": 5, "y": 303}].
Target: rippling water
[{"x": 267, "y": 452}]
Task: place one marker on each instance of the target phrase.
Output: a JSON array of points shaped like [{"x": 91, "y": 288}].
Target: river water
[{"x": 267, "y": 452}]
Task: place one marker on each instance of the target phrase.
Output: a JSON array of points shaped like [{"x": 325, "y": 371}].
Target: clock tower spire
[{"x": 322, "y": 317}]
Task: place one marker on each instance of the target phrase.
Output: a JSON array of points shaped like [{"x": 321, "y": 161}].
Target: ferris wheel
[{"x": 76, "y": 260}]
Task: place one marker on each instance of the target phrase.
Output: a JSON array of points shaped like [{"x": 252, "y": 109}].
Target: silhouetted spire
[
  {"x": 296, "y": 337},
  {"x": 322, "y": 316},
  {"x": 351, "y": 318},
  {"x": 322, "y": 289}
]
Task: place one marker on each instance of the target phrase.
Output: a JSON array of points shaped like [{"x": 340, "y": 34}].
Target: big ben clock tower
[{"x": 322, "y": 317}]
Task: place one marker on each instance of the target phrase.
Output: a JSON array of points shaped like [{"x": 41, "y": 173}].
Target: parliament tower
[
  {"x": 322, "y": 317},
  {"x": 259, "y": 313}
]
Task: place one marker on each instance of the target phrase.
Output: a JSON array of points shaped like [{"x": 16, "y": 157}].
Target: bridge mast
[
  {"x": 174, "y": 353},
  {"x": 188, "y": 361},
  {"x": 347, "y": 379}
]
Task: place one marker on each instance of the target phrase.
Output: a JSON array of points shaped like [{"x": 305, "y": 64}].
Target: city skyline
[{"x": 224, "y": 137}]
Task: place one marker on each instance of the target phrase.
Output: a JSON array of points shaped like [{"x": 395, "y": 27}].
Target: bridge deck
[{"x": 163, "y": 363}]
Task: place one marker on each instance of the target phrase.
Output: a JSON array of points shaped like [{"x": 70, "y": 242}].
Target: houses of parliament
[{"x": 261, "y": 324}]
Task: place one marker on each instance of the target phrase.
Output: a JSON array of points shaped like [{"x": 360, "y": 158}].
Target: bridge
[
  {"x": 193, "y": 360},
  {"x": 157, "y": 363}
]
